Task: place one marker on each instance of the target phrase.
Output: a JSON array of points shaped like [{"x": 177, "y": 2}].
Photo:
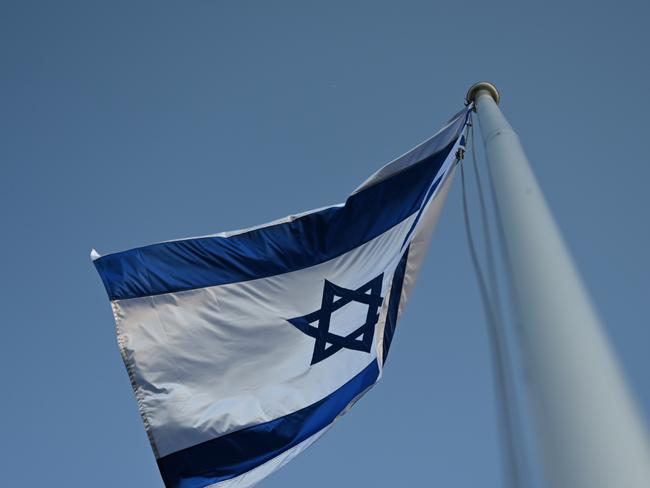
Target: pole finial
[{"x": 482, "y": 86}]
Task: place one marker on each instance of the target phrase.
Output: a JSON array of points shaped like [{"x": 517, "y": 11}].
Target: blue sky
[{"x": 126, "y": 123}]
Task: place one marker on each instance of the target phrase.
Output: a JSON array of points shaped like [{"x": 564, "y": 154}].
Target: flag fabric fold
[{"x": 244, "y": 347}]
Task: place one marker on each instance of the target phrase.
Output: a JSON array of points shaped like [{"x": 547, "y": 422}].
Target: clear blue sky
[{"x": 125, "y": 123}]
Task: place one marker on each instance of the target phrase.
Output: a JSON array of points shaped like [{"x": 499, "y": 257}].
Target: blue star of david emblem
[{"x": 334, "y": 298}]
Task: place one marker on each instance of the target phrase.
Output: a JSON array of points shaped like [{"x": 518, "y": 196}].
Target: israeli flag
[{"x": 244, "y": 347}]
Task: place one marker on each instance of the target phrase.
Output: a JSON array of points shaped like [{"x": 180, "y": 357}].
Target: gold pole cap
[{"x": 482, "y": 86}]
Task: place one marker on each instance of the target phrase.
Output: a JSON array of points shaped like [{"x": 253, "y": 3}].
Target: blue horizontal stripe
[
  {"x": 393, "y": 303},
  {"x": 238, "y": 452},
  {"x": 306, "y": 241}
]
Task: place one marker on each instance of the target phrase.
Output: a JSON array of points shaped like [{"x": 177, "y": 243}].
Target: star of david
[{"x": 334, "y": 298}]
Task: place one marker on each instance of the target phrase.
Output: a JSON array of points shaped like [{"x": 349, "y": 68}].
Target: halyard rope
[{"x": 498, "y": 347}]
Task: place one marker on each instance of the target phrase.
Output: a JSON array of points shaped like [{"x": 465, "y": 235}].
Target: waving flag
[{"x": 244, "y": 347}]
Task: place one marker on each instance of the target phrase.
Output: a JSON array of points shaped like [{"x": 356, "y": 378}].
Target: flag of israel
[{"x": 244, "y": 347}]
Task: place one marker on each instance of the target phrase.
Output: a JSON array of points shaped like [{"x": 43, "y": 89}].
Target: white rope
[{"x": 508, "y": 421}]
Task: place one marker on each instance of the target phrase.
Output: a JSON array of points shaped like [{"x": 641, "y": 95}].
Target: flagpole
[{"x": 589, "y": 430}]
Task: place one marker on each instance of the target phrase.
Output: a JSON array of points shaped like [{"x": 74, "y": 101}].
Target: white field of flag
[{"x": 244, "y": 347}]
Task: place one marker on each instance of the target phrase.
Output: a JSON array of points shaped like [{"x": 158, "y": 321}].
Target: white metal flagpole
[{"x": 590, "y": 432}]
